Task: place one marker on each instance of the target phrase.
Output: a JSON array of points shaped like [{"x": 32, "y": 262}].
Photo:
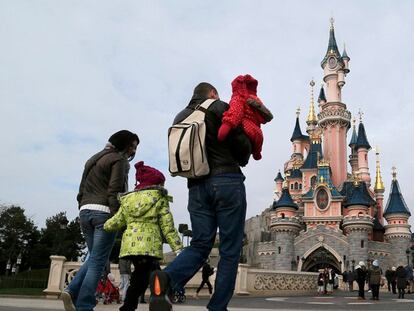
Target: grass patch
[{"x": 22, "y": 291}]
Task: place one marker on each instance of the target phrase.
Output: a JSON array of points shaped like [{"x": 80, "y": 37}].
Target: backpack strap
[{"x": 199, "y": 111}]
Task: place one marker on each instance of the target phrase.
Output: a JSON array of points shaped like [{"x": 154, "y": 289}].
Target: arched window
[
  {"x": 283, "y": 215},
  {"x": 279, "y": 249},
  {"x": 362, "y": 243},
  {"x": 300, "y": 186},
  {"x": 291, "y": 186},
  {"x": 296, "y": 186},
  {"x": 313, "y": 181}
]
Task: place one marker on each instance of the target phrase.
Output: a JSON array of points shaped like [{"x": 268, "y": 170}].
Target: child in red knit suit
[{"x": 247, "y": 110}]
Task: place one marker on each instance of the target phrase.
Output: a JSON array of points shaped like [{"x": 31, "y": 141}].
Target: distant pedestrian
[
  {"x": 104, "y": 177},
  {"x": 394, "y": 280},
  {"x": 206, "y": 272},
  {"x": 388, "y": 277},
  {"x": 321, "y": 278},
  {"x": 146, "y": 215},
  {"x": 351, "y": 278},
  {"x": 345, "y": 280},
  {"x": 330, "y": 280},
  {"x": 409, "y": 278},
  {"x": 125, "y": 272},
  {"x": 375, "y": 279},
  {"x": 361, "y": 273},
  {"x": 401, "y": 281}
]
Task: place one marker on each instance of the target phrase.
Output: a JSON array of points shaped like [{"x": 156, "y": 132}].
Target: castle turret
[
  {"x": 353, "y": 157},
  {"x": 397, "y": 231},
  {"x": 322, "y": 97},
  {"x": 362, "y": 147},
  {"x": 334, "y": 118},
  {"x": 345, "y": 59},
  {"x": 285, "y": 225},
  {"x": 310, "y": 166},
  {"x": 279, "y": 182},
  {"x": 298, "y": 138},
  {"x": 358, "y": 224}
]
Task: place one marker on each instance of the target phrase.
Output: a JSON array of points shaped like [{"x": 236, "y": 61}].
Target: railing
[{"x": 249, "y": 281}]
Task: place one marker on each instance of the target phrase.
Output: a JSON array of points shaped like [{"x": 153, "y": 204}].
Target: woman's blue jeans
[{"x": 100, "y": 243}]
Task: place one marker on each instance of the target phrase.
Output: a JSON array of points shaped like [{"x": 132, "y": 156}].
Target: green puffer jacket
[{"x": 146, "y": 215}]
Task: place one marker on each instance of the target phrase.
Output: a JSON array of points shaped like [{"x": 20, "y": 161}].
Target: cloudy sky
[{"x": 73, "y": 72}]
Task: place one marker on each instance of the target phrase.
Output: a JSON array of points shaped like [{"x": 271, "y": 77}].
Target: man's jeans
[
  {"x": 100, "y": 243},
  {"x": 217, "y": 202}
]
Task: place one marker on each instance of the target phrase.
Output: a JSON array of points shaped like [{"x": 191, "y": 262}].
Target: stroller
[
  {"x": 178, "y": 296},
  {"x": 107, "y": 291}
]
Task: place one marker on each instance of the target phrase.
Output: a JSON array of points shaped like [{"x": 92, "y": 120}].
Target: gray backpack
[{"x": 186, "y": 144}]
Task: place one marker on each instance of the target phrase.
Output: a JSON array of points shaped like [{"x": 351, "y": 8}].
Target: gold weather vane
[{"x": 312, "y": 116}]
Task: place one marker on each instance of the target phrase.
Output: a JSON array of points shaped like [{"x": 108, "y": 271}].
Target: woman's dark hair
[{"x": 123, "y": 139}]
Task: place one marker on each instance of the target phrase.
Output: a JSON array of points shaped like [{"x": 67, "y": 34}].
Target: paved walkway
[{"x": 341, "y": 301}]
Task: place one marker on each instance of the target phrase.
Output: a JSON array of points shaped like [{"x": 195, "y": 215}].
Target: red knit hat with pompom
[{"x": 147, "y": 176}]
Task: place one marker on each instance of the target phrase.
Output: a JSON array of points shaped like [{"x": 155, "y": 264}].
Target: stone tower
[
  {"x": 285, "y": 226},
  {"x": 358, "y": 224},
  {"x": 334, "y": 117},
  {"x": 397, "y": 231}
]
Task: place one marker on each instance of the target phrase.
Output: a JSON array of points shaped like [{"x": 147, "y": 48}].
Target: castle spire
[
  {"x": 312, "y": 120},
  {"x": 297, "y": 132},
  {"x": 396, "y": 203},
  {"x": 322, "y": 97},
  {"x": 362, "y": 141},
  {"x": 379, "y": 185},
  {"x": 332, "y": 46},
  {"x": 354, "y": 136}
]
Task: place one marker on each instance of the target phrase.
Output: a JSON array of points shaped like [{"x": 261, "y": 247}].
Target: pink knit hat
[{"x": 147, "y": 176}]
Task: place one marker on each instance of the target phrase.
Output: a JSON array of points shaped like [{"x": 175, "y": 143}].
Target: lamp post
[
  {"x": 18, "y": 262},
  {"x": 8, "y": 266}
]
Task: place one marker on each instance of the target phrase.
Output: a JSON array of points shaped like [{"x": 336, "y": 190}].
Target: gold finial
[
  {"x": 379, "y": 184},
  {"x": 312, "y": 116},
  {"x": 316, "y": 136},
  {"x": 353, "y": 121},
  {"x": 394, "y": 173},
  {"x": 361, "y": 114},
  {"x": 321, "y": 179},
  {"x": 356, "y": 178},
  {"x": 298, "y": 112}
]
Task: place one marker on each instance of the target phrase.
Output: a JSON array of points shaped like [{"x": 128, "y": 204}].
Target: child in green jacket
[{"x": 145, "y": 215}]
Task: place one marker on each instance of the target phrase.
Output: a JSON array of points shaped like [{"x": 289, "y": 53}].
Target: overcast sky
[{"x": 74, "y": 72}]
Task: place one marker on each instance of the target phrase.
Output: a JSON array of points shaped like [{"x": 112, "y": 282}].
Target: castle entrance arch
[{"x": 321, "y": 258}]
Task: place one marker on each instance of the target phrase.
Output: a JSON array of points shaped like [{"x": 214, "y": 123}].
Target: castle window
[
  {"x": 291, "y": 186},
  {"x": 300, "y": 186},
  {"x": 362, "y": 243},
  {"x": 283, "y": 215},
  {"x": 296, "y": 186},
  {"x": 279, "y": 249},
  {"x": 313, "y": 181},
  {"x": 366, "y": 157}
]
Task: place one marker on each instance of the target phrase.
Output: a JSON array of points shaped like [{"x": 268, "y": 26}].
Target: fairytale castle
[{"x": 324, "y": 215}]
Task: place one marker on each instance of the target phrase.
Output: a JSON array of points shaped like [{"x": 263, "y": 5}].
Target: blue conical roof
[
  {"x": 354, "y": 138},
  {"x": 345, "y": 55},
  {"x": 348, "y": 189},
  {"x": 315, "y": 152},
  {"x": 279, "y": 177},
  {"x": 358, "y": 196},
  {"x": 322, "y": 96},
  {"x": 332, "y": 48},
  {"x": 362, "y": 141},
  {"x": 297, "y": 132},
  {"x": 285, "y": 200},
  {"x": 396, "y": 203}
]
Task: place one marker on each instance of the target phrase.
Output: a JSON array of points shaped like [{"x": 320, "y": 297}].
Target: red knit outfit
[{"x": 244, "y": 87}]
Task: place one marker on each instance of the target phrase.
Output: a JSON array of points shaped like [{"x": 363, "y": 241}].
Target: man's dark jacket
[
  {"x": 223, "y": 157},
  {"x": 105, "y": 175}
]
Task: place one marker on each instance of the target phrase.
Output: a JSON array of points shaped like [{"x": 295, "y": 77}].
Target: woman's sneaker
[
  {"x": 67, "y": 301},
  {"x": 160, "y": 289}
]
